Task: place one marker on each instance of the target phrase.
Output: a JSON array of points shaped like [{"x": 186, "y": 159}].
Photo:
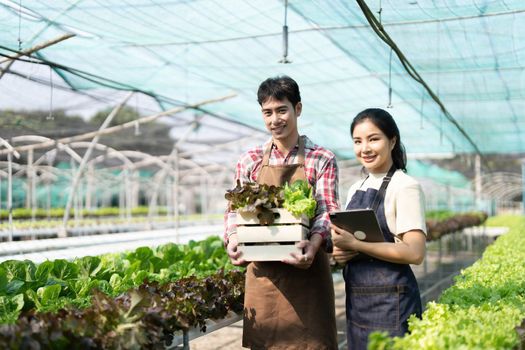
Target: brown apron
[{"x": 286, "y": 307}]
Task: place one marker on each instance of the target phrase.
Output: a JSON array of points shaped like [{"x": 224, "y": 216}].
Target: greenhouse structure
[{"x": 122, "y": 124}]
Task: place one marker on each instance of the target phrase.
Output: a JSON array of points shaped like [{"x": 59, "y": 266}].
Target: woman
[{"x": 381, "y": 290}]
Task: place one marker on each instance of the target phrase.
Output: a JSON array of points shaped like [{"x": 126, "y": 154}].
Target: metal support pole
[
  {"x": 175, "y": 157},
  {"x": 0, "y": 197},
  {"x": 440, "y": 255},
  {"x": 136, "y": 189},
  {"x": 48, "y": 202},
  {"x": 89, "y": 188},
  {"x": 185, "y": 341},
  {"x": 29, "y": 173},
  {"x": 450, "y": 202},
  {"x": 122, "y": 197},
  {"x": 203, "y": 195},
  {"x": 86, "y": 157},
  {"x": 455, "y": 235},
  {"x": 31, "y": 188},
  {"x": 176, "y": 197},
  {"x": 10, "y": 193},
  {"x": 72, "y": 204},
  {"x": 34, "y": 197},
  {"x": 477, "y": 181},
  {"x": 523, "y": 187},
  {"x": 128, "y": 180}
]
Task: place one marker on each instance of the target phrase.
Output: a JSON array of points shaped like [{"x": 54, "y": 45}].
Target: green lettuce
[
  {"x": 299, "y": 199},
  {"x": 10, "y": 308}
]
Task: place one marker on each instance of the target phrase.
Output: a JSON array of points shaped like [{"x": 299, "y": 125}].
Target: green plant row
[
  {"x": 439, "y": 215},
  {"x": 53, "y": 285},
  {"x": 142, "y": 318},
  {"x": 108, "y": 220},
  {"x": 482, "y": 309},
  {"x": 27, "y": 213}
]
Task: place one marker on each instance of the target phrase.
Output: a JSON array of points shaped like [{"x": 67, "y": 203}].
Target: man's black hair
[{"x": 279, "y": 88}]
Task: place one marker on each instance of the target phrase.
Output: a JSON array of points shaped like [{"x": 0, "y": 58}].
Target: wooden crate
[{"x": 270, "y": 242}]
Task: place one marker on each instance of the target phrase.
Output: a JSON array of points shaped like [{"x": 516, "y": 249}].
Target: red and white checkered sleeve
[{"x": 326, "y": 195}]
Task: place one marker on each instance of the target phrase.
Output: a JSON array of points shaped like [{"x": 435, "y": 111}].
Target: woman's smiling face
[{"x": 372, "y": 147}]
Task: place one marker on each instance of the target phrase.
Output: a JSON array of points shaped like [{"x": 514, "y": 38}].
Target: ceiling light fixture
[{"x": 285, "y": 35}]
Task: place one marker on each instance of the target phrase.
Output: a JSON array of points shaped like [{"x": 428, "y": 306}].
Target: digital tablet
[{"x": 361, "y": 222}]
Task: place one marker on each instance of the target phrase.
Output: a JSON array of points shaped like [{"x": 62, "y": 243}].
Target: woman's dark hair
[
  {"x": 384, "y": 121},
  {"x": 279, "y": 87}
]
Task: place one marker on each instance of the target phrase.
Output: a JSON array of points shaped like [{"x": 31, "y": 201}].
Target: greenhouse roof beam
[
  {"x": 16, "y": 166},
  {"x": 221, "y": 146},
  {"x": 43, "y": 169},
  {"x": 116, "y": 128},
  {"x": 83, "y": 162},
  {"x": 136, "y": 154},
  {"x": 9, "y": 148},
  {"x": 500, "y": 176},
  {"x": 505, "y": 192},
  {"x": 27, "y": 52},
  {"x": 98, "y": 146},
  {"x": 41, "y": 140}
]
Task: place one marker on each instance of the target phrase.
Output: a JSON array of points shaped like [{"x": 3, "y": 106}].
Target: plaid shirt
[{"x": 321, "y": 172}]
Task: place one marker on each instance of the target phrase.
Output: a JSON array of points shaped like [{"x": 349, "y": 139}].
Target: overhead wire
[
  {"x": 503, "y": 81},
  {"x": 102, "y": 81},
  {"x": 158, "y": 23},
  {"x": 324, "y": 29},
  {"x": 19, "y": 39},
  {"x": 202, "y": 75},
  {"x": 241, "y": 19},
  {"x": 130, "y": 28},
  {"x": 45, "y": 82},
  {"x": 262, "y": 43},
  {"x": 351, "y": 55},
  {"x": 109, "y": 83},
  {"x": 181, "y": 29},
  {"x": 383, "y": 35},
  {"x": 326, "y": 70},
  {"x": 50, "y": 116},
  {"x": 211, "y": 18}
]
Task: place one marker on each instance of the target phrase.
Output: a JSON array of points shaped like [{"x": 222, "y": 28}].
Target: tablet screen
[{"x": 361, "y": 222}]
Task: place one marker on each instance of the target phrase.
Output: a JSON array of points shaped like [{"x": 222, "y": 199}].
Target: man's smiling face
[{"x": 280, "y": 118}]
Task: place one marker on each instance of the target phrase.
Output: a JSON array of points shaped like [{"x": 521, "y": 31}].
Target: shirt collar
[{"x": 308, "y": 144}]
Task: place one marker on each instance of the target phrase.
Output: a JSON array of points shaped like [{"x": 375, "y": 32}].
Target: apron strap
[
  {"x": 381, "y": 193},
  {"x": 300, "y": 153},
  {"x": 266, "y": 156}
]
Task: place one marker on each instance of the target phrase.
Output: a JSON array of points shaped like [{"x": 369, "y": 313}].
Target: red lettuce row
[
  {"x": 145, "y": 317},
  {"x": 437, "y": 228}
]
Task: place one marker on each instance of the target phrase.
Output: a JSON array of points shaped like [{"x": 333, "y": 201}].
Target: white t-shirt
[{"x": 404, "y": 201}]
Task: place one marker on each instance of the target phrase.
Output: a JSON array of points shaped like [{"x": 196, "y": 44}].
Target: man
[{"x": 289, "y": 304}]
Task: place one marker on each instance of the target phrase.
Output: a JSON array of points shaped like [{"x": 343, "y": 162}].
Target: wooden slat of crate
[
  {"x": 272, "y": 233},
  {"x": 266, "y": 252},
  {"x": 283, "y": 217}
]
